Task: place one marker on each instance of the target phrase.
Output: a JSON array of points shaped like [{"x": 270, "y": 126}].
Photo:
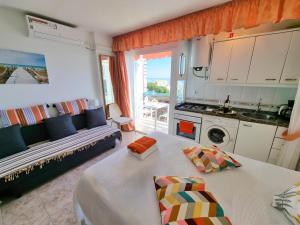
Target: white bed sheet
[{"x": 119, "y": 190}]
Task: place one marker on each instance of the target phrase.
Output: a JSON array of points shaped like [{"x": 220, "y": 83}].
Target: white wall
[
  {"x": 72, "y": 70},
  {"x": 197, "y": 89},
  {"x": 103, "y": 44}
]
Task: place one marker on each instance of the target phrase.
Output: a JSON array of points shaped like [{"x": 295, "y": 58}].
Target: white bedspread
[{"x": 119, "y": 190}]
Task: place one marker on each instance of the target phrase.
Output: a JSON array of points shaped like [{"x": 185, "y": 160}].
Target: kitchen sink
[
  {"x": 259, "y": 116},
  {"x": 230, "y": 112}
]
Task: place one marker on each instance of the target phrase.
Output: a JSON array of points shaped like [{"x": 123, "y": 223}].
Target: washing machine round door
[{"x": 218, "y": 136}]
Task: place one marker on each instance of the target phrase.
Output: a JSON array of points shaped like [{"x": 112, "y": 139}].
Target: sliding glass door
[{"x": 152, "y": 84}]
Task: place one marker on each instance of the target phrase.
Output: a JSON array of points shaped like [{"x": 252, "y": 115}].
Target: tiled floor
[
  {"x": 51, "y": 203},
  {"x": 147, "y": 125}
]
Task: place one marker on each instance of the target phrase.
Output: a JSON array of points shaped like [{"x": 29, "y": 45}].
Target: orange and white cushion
[
  {"x": 142, "y": 147},
  {"x": 74, "y": 107},
  {"x": 24, "y": 116}
]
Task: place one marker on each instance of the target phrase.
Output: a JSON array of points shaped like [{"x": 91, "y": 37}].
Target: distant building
[{"x": 163, "y": 83}]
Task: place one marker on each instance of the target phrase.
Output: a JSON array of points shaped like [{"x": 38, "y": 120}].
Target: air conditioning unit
[{"x": 45, "y": 29}]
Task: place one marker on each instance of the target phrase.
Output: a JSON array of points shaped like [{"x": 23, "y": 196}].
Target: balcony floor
[{"x": 147, "y": 125}]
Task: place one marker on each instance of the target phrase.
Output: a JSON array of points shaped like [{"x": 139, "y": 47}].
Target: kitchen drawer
[
  {"x": 279, "y": 131},
  {"x": 278, "y": 143}
]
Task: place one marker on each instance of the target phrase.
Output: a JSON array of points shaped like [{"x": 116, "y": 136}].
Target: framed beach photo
[{"x": 17, "y": 67}]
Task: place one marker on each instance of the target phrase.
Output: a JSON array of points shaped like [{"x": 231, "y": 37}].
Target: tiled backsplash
[{"x": 202, "y": 91}]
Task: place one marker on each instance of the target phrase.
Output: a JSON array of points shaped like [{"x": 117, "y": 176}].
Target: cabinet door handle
[
  {"x": 290, "y": 79},
  {"x": 247, "y": 125},
  {"x": 270, "y": 79},
  {"x": 234, "y": 79},
  {"x": 220, "y": 78}
]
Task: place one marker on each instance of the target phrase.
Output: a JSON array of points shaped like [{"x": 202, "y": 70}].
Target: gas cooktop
[{"x": 191, "y": 107}]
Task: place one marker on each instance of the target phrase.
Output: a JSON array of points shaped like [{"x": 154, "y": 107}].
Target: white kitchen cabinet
[
  {"x": 276, "y": 150},
  {"x": 240, "y": 59},
  {"x": 277, "y": 146},
  {"x": 254, "y": 140},
  {"x": 220, "y": 61},
  {"x": 268, "y": 58},
  {"x": 278, "y": 143},
  {"x": 291, "y": 70},
  {"x": 274, "y": 155}
]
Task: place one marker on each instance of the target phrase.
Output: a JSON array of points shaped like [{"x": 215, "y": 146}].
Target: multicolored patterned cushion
[
  {"x": 183, "y": 201},
  {"x": 210, "y": 159},
  {"x": 166, "y": 185},
  {"x": 74, "y": 107},
  {"x": 24, "y": 116},
  {"x": 289, "y": 203},
  {"x": 203, "y": 221},
  {"x": 189, "y": 205}
]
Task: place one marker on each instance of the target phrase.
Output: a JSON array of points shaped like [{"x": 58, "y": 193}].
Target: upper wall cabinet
[
  {"x": 291, "y": 70},
  {"x": 268, "y": 58},
  {"x": 240, "y": 59},
  {"x": 220, "y": 61}
]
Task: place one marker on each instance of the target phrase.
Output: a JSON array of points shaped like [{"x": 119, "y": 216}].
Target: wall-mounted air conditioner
[
  {"x": 200, "y": 56},
  {"x": 45, "y": 29}
]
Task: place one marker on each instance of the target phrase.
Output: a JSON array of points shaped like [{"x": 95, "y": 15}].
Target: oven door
[{"x": 194, "y": 136}]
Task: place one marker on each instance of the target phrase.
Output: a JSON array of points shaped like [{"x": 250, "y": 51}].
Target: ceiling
[{"x": 111, "y": 17}]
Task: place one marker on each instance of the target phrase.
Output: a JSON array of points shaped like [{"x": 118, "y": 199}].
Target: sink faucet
[{"x": 259, "y": 105}]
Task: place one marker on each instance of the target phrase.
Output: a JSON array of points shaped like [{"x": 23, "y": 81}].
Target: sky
[
  {"x": 159, "y": 68},
  {"x": 21, "y": 58}
]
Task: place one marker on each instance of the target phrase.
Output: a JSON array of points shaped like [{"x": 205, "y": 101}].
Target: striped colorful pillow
[
  {"x": 203, "y": 221},
  {"x": 188, "y": 205},
  {"x": 24, "y": 116},
  {"x": 166, "y": 185},
  {"x": 210, "y": 159},
  {"x": 288, "y": 202},
  {"x": 183, "y": 201},
  {"x": 74, "y": 107}
]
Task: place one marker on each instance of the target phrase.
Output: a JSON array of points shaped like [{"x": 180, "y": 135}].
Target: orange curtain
[
  {"x": 111, "y": 65},
  {"x": 226, "y": 17},
  {"x": 119, "y": 80}
]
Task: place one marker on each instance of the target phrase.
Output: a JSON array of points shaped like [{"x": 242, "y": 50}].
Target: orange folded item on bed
[
  {"x": 186, "y": 127},
  {"x": 141, "y": 145}
]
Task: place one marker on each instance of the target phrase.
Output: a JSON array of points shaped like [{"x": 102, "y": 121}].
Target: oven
[{"x": 188, "y": 127}]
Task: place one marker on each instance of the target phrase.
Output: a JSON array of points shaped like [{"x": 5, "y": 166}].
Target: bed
[{"x": 119, "y": 190}]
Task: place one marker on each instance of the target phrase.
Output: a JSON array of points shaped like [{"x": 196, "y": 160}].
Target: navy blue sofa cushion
[
  {"x": 34, "y": 133},
  {"x": 11, "y": 141},
  {"x": 95, "y": 117},
  {"x": 60, "y": 127}
]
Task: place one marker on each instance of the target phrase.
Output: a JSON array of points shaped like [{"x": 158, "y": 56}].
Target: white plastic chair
[{"x": 116, "y": 116}]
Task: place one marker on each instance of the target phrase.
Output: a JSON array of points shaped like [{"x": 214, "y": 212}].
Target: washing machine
[{"x": 219, "y": 131}]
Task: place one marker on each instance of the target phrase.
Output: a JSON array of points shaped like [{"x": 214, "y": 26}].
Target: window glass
[{"x": 107, "y": 85}]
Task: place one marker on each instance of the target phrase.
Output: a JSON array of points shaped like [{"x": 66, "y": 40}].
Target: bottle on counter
[{"x": 226, "y": 105}]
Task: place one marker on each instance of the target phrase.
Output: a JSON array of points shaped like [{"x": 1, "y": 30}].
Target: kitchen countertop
[{"x": 214, "y": 111}]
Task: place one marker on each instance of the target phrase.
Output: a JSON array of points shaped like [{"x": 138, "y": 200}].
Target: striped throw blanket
[{"x": 12, "y": 166}]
